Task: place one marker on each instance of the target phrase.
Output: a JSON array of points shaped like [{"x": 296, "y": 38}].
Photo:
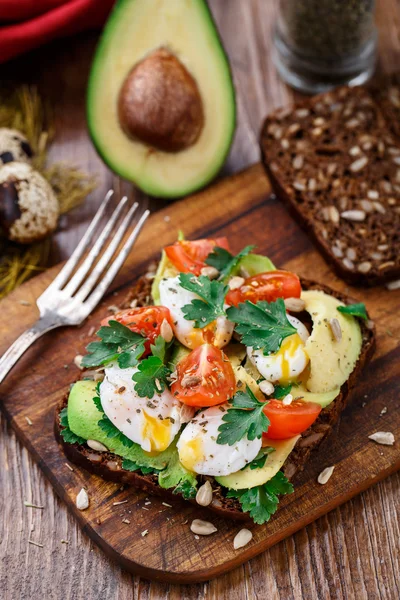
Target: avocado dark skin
[{"x": 160, "y": 103}]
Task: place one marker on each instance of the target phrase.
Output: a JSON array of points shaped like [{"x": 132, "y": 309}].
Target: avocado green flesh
[
  {"x": 135, "y": 29},
  {"x": 83, "y": 418},
  {"x": 331, "y": 360},
  {"x": 254, "y": 264}
]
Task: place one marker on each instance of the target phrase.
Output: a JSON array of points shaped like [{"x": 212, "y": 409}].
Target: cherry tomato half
[
  {"x": 205, "y": 377},
  {"x": 266, "y": 286},
  {"x": 288, "y": 420},
  {"x": 189, "y": 257},
  {"x": 146, "y": 320}
]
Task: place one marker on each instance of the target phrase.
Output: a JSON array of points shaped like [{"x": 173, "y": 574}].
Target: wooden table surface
[{"x": 354, "y": 551}]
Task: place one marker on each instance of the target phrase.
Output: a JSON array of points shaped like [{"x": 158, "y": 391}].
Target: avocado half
[{"x": 139, "y": 43}]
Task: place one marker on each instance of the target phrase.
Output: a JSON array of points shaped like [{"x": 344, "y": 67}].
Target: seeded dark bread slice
[
  {"x": 336, "y": 165},
  {"x": 109, "y": 466},
  {"x": 387, "y": 94}
]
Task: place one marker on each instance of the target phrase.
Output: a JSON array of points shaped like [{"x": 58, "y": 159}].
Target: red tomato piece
[
  {"x": 189, "y": 257},
  {"x": 288, "y": 420},
  {"x": 146, "y": 320},
  {"x": 266, "y": 286},
  {"x": 205, "y": 377}
]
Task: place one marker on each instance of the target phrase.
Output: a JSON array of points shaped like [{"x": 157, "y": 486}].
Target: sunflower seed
[
  {"x": 294, "y": 304},
  {"x": 351, "y": 253},
  {"x": 348, "y": 263},
  {"x": 353, "y": 215},
  {"x": 292, "y": 129},
  {"x": 287, "y": 400},
  {"x": 379, "y": 208},
  {"x": 376, "y": 255},
  {"x": 95, "y": 445},
  {"x": 204, "y": 494},
  {"x": 82, "y": 500},
  {"x": 298, "y": 162},
  {"x": 285, "y": 144},
  {"x": 301, "y": 113},
  {"x": 366, "y": 205},
  {"x": 210, "y": 272},
  {"x": 336, "y": 329},
  {"x": 242, "y": 538},
  {"x": 312, "y": 184},
  {"x": 373, "y": 194},
  {"x": 337, "y": 252},
  {"x": 355, "y": 151},
  {"x": 393, "y": 285},
  {"x": 383, "y": 247},
  {"x": 236, "y": 282},
  {"x": 166, "y": 331},
  {"x": 298, "y": 185},
  {"x": 358, "y": 164},
  {"x": 325, "y": 475},
  {"x": 364, "y": 267},
  {"x": 202, "y": 527},
  {"x": 78, "y": 361},
  {"x": 266, "y": 387},
  {"x": 386, "y": 438}
]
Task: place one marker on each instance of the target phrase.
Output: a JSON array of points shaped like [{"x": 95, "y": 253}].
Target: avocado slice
[
  {"x": 174, "y": 138},
  {"x": 83, "y": 418},
  {"x": 254, "y": 264},
  {"x": 331, "y": 360},
  {"x": 248, "y": 478},
  {"x": 178, "y": 352}
]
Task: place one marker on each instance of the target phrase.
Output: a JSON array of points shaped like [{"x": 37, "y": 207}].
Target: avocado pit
[{"x": 159, "y": 103}]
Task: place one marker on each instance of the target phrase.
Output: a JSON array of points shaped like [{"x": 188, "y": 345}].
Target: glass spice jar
[{"x": 320, "y": 44}]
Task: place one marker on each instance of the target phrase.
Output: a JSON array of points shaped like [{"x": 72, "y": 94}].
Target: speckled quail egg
[
  {"x": 14, "y": 146},
  {"x": 28, "y": 206}
]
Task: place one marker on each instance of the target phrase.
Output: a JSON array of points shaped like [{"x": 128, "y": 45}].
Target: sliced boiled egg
[
  {"x": 199, "y": 451},
  {"x": 174, "y": 297},
  {"x": 290, "y": 360},
  {"x": 150, "y": 422}
]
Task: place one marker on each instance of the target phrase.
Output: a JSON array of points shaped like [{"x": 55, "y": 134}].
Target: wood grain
[{"x": 353, "y": 552}]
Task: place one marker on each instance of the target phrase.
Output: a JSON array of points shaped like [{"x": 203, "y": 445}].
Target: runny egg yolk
[
  {"x": 157, "y": 431},
  {"x": 191, "y": 453},
  {"x": 287, "y": 351},
  {"x": 198, "y": 337}
]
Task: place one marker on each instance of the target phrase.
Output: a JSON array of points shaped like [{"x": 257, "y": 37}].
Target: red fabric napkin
[{"x": 26, "y": 24}]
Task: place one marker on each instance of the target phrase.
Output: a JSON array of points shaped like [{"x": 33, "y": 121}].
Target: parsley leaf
[
  {"x": 244, "y": 419},
  {"x": 213, "y": 293},
  {"x": 262, "y": 325},
  {"x": 113, "y": 432},
  {"x": 224, "y": 261},
  {"x": 115, "y": 338},
  {"x": 160, "y": 347},
  {"x": 355, "y": 310},
  {"x": 68, "y": 435},
  {"x": 259, "y": 461},
  {"x": 262, "y": 501},
  {"x": 151, "y": 377},
  {"x": 186, "y": 489},
  {"x": 130, "y": 358},
  {"x": 281, "y": 391},
  {"x": 98, "y": 404}
]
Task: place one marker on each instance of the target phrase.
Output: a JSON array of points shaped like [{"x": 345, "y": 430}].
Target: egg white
[
  {"x": 198, "y": 449},
  {"x": 290, "y": 360},
  {"x": 150, "y": 422},
  {"x": 174, "y": 297}
]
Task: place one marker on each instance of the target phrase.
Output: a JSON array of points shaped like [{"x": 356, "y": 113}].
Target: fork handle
[{"x": 26, "y": 339}]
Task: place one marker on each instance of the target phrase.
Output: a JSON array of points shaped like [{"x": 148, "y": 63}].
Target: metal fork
[{"x": 69, "y": 300}]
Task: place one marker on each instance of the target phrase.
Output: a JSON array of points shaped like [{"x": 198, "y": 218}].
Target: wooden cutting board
[{"x": 242, "y": 208}]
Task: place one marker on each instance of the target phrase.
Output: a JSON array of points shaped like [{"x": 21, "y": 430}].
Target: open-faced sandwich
[{"x": 215, "y": 380}]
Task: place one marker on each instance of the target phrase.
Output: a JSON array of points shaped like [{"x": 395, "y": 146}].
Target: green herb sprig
[
  {"x": 261, "y": 502},
  {"x": 245, "y": 418},
  {"x": 152, "y": 375},
  {"x": 117, "y": 343},
  {"x": 262, "y": 325},
  {"x": 224, "y": 261},
  {"x": 355, "y": 310},
  {"x": 212, "y": 294}
]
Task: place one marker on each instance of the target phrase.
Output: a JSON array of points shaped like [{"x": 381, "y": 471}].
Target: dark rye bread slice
[
  {"x": 109, "y": 466},
  {"x": 335, "y": 163}
]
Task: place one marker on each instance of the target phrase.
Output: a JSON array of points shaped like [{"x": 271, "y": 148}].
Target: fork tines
[{"x": 95, "y": 273}]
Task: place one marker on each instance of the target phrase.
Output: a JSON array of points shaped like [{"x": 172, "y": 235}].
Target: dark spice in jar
[{"x": 327, "y": 29}]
